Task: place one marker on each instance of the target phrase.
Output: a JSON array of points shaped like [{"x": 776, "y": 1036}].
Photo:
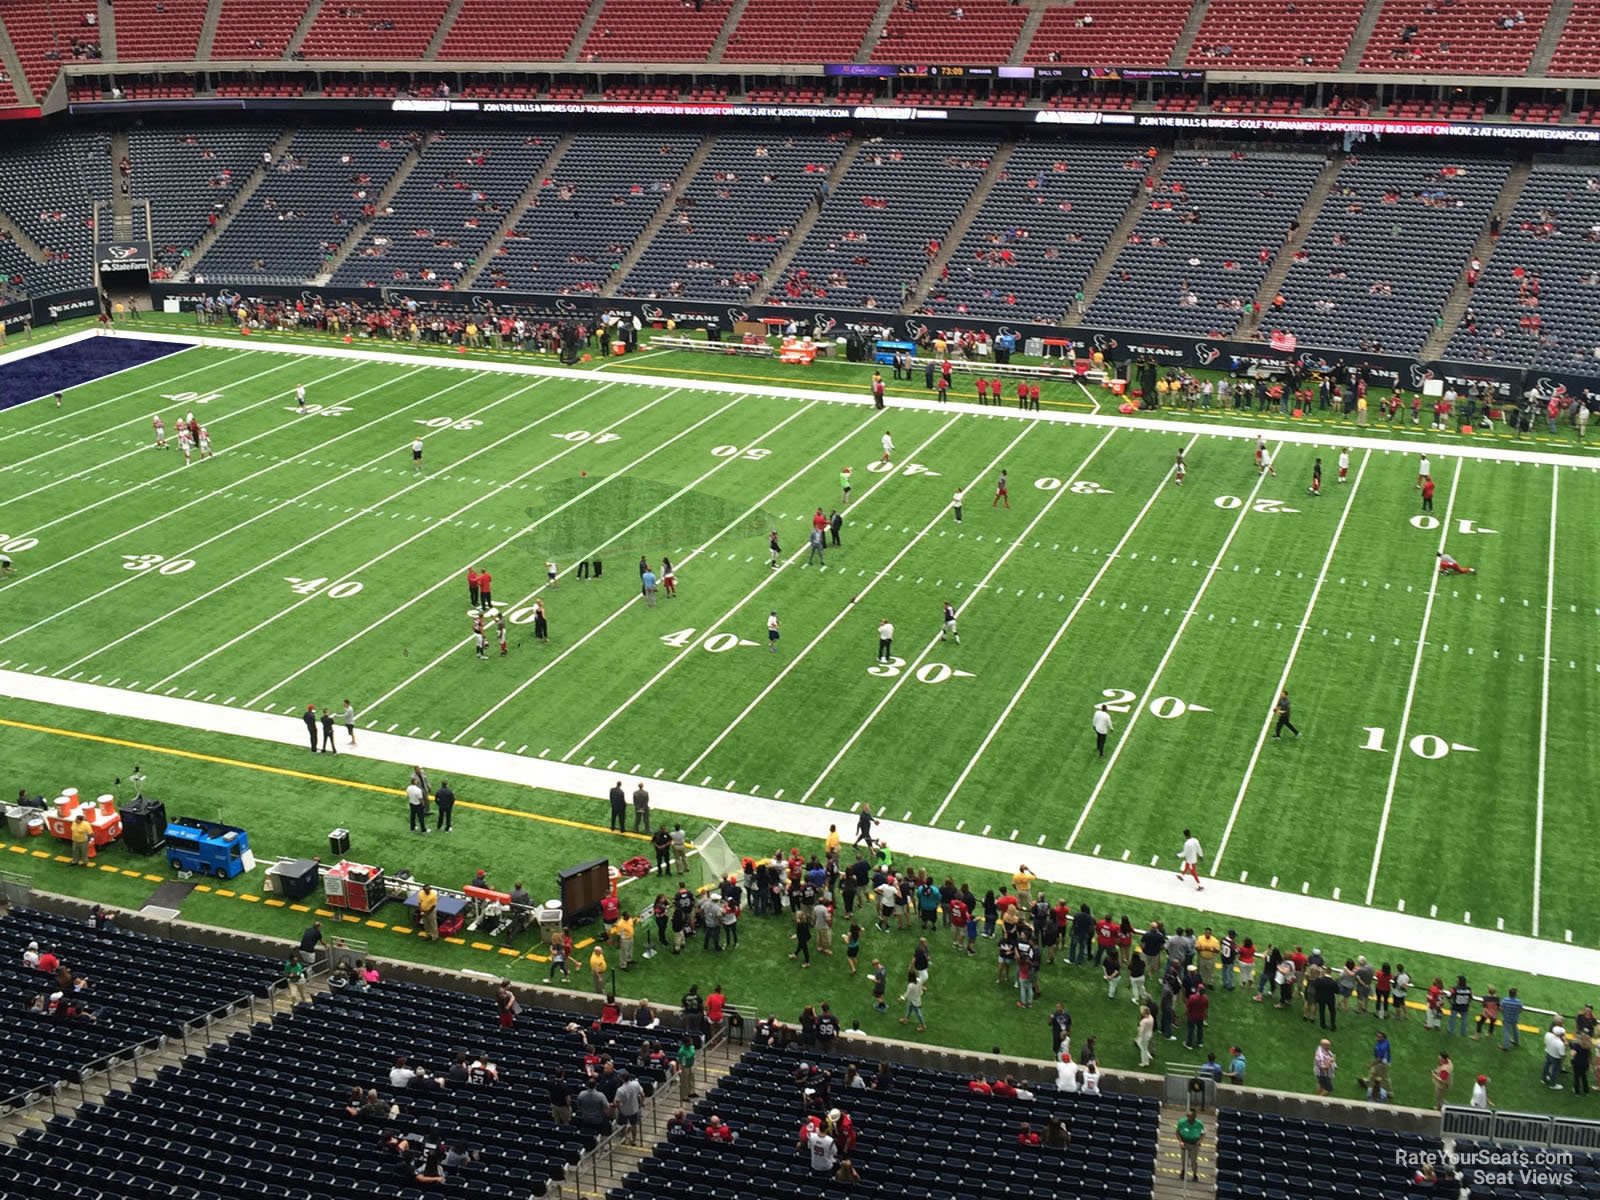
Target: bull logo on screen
[
  {"x": 651, "y": 312},
  {"x": 566, "y": 307},
  {"x": 1206, "y": 354},
  {"x": 1419, "y": 376},
  {"x": 916, "y": 331},
  {"x": 823, "y": 324}
]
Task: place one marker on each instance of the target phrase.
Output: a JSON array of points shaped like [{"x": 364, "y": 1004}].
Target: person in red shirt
[
  {"x": 1003, "y": 1089},
  {"x": 1028, "y": 1136},
  {"x": 978, "y": 1086},
  {"x": 819, "y": 522},
  {"x": 1022, "y": 393},
  {"x": 1298, "y": 958},
  {"x": 877, "y": 389},
  {"x": 714, "y": 1005},
  {"x": 1449, "y": 566},
  {"x": 958, "y": 923},
  {"x": 48, "y": 962},
  {"x": 944, "y": 388},
  {"x": 716, "y": 1131},
  {"x": 983, "y": 390},
  {"x": 1105, "y": 934},
  {"x": 1004, "y": 901},
  {"x": 1427, "y": 493},
  {"x": 1195, "y": 1010},
  {"x": 1033, "y": 397},
  {"x": 472, "y": 587},
  {"x": 484, "y": 580},
  {"x": 994, "y": 390}
]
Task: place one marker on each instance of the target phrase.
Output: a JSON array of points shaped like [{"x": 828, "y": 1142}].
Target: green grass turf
[{"x": 287, "y": 801}]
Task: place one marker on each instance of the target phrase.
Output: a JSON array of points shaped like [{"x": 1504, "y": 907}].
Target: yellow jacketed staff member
[
  {"x": 428, "y": 910},
  {"x": 82, "y": 831}
]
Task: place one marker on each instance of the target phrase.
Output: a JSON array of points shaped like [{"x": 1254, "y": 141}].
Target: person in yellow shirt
[
  {"x": 1207, "y": 947},
  {"x": 1022, "y": 885},
  {"x": 830, "y": 845},
  {"x": 428, "y": 911},
  {"x": 597, "y": 967},
  {"x": 624, "y": 932},
  {"x": 82, "y": 831}
]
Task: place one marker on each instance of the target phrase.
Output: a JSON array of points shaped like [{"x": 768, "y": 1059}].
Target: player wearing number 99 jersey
[{"x": 949, "y": 629}]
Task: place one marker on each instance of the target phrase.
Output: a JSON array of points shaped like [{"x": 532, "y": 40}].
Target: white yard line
[
  {"x": 1061, "y": 631},
  {"x": 1103, "y": 420},
  {"x": 64, "y": 560},
  {"x": 1288, "y": 666},
  {"x": 1093, "y": 399},
  {"x": 143, "y": 447},
  {"x": 1172, "y": 647},
  {"x": 429, "y": 527},
  {"x": 911, "y": 668},
  {"x": 636, "y": 598},
  {"x": 235, "y": 528},
  {"x": 1447, "y": 940},
  {"x": 69, "y": 413},
  {"x": 1411, "y": 688},
  {"x": 1544, "y": 705},
  {"x": 767, "y": 578},
  {"x": 629, "y": 358}
]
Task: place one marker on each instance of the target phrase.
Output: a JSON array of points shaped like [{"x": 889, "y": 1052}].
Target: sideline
[
  {"x": 1464, "y": 943},
  {"x": 1298, "y": 437}
]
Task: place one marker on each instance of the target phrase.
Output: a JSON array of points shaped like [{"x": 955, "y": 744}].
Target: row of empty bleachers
[
  {"x": 1578, "y": 51},
  {"x": 735, "y": 216},
  {"x": 500, "y": 29},
  {"x": 1263, "y": 1154},
  {"x": 984, "y": 31},
  {"x": 159, "y": 29},
  {"x": 47, "y": 35},
  {"x": 190, "y": 173},
  {"x": 800, "y": 31},
  {"x": 655, "y": 31},
  {"x": 924, "y": 1135},
  {"x": 1465, "y": 37},
  {"x": 1097, "y": 32},
  {"x": 139, "y": 988},
  {"x": 1538, "y": 302},
  {"x": 1358, "y": 278},
  {"x": 373, "y": 29},
  {"x": 589, "y": 212},
  {"x": 256, "y": 28},
  {"x": 1035, "y": 239},
  {"x": 1205, "y": 241},
  {"x": 1282, "y": 34},
  {"x": 880, "y": 227},
  {"x": 307, "y": 205},
  {"x": 1571, "y": 1173},
  {"x": 263, "y": 1114},
  {"x": 446, "y": 210},
  {"x": 51, "y": 183}
]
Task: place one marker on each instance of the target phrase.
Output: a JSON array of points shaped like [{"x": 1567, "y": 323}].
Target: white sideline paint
[
  {"x": 1049, "y": 649},
  {"x": 767, "y": 577},
  {"x": 1102, "y": 420},
  {"x": 1155, "y": 680},
  {"x": 1544, "y": 704},
  {"x": 1493, "y": 948},
  {"x": 1411, "y": 688},
  {"x": 1288, "y": 666},
  {"x": 912, "y": 667}
]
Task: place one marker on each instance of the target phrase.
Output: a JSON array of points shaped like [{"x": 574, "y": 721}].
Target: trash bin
[
  {"x": 17, "y": 819},
  {"x": 339, "y": 842},
  {"x": 550, "y": 921}
]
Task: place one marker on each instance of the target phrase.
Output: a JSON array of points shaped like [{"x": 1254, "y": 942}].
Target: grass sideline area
[{"x": 288, "y": 799}]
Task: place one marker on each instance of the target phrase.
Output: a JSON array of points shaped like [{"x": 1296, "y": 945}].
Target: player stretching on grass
[
  {"x": 1449, "y": 566},
  {"x": 1190, "y": 854},
  {"x": 1261, "y": 450}
]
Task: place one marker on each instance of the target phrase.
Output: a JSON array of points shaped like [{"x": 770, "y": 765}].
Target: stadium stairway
[
  {"x": 208, "y": 30},
  {"x": 443, "y": 31},
  {"x": 1455, "y": 307},
  {"x": 12, "y": 65},
  {"x": 1170, "y": 1182},
  {"x": 1279, "y": 271},
  {"x": 958, "y": 230},
  {"x": 1358, "y": 39},
  {"x": 313, "y": 9},
  {"x": 1555, "y": 25},
  {"x": 668, "y": 203},
  {"x": 106, "y": 13},
  {"x": 875, "y": 30},
  {"x": 802, "y": 227},
  {"x": 21, "y": 240},
  {"x": 358, "y": 229},
  {"x": 735, "y": 15},
  {"x": 514, "y": 213},
  {"x": 1115, "y": 243},
  {"x": 1025, "y": 35},
  {"x": 1191, "y": 30},
  {"x": 585, "y": 28},
  {"x": 240, "y": 200}
]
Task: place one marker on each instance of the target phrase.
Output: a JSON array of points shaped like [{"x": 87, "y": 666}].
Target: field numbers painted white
[
  {"x": 716, "y": 643},
  {"x": 1424, "y": 745},
  {"x": 911, "y": 468},
  {"x": 933, "y": 672},
  {"x": 1464, "y": 525},
  {"x": 1079, "y": 487},
  {"x": 310, "y": 587},
  {"x": 1167, "y": 708},
  {"x": 449, "y": 422},
  {"x": 753, "y": 454},
  {"x": 191, "y": 397},
  {"x": 17, "y": 545},
  {"x": 677, "y": 640},
  {"x": 583, "y": 435},
  {"x": 319, "y": 410},
  {"x": 1263, "y": 505},
  {"x": 161, "y": 563}
]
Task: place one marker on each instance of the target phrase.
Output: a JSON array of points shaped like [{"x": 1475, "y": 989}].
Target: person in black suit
[
  {"x": 327, "y": 733},
  {"x": 446, "y": 800},
  {"x": 310, "y": 718},
  {"x": 619, "y": 808}
]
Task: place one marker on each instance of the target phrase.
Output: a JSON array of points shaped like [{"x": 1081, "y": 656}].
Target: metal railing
[{"x": 1528, "y": 1129}]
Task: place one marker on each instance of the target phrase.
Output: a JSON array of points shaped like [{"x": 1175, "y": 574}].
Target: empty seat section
[
  {"x": 1284, "y": 34},
  {"x": 47, "y": 35},
  {"x": 501, "y": 30},
  {"x": 1110, "y": 33},
  {"x": 882, "y": 225},
  {"x": 1578, "y": 51},
  {"x": 1193, "y": 262},
  {"x": 980, "y": 31},
  {"x": 1537, "y": 304},
  {"x": 373, "y": 29},
  {"x": 448, "y": 208},
  {"x": 304, "y": 209},
  {"x": 800, "y": 31},
  {"x": 1264, "y": 1154},
  {"x": 1036, "y": 237},
  {"x": 159, "y": 29},
  {"x": 650, "y": 31},
  {"x": 51, "y": 183},
  {"x": 256, "y": 28},
  {"x": 734, "y": 218},
  {"x": 588, "y": 212},
  {"x": 1469, "y": 37},
  {"x": 189, "y": 174},
  {"x": 1356, "y": 281}
]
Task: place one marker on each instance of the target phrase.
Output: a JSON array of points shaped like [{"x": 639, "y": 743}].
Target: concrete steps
[
  {"x": 300, "y": 30},
  {"x": 780, "y": 265},
  {"x": 436, "y": 43},
  {"x": 735, "y": 12},
  {"x": 520, "y": 206},
  {"x": 208, "y": 31},
  {"x": 359, "y": 227},
  {"x": 1170, "y": 1181},
  {"x": 875, "y": 30},
  {"x": 1560, "y": 12},
  {"x": 1358, "y": 39},
  {"x": 13, "y": 68},
  {"x": 107, "y": 14},
  {"x": 958, "y": 230},
  {"x": 1279, "y": 271},
  {"x": 1114, "y": 244},
  {"x": 661, "y": 216},
  {"x": 585, "y": 28},
  {"x": 1455, "y": 305},
  {"x": 240, "y": 199},
  {"x": 1186, "y": 36}
]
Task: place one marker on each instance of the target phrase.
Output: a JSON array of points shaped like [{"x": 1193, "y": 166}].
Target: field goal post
[{"x": 713, "y": 861}]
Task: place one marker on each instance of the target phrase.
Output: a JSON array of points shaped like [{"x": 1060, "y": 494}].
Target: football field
[{"x": 1441, "y": 769}]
